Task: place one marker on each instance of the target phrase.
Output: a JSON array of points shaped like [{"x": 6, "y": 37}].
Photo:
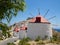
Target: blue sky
[{"x": 32, "y": 7}]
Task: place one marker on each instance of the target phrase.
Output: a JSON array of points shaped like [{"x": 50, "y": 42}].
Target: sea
[{"x": 57, "y": 30}]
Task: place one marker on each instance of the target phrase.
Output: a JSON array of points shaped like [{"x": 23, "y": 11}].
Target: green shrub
[
  {"x": 27, "y": 39},
  {"x": 10, "y": 44},
  {"x": 51, "y": 40},
  {"x": 58, "y": 38},
  {"x": 46, "y": 37},
  {"x": 38, "y": 38},
  {"x": 24, "y": 41},
  {"x": 40, "y": 43},
  {"x": 1, "y": 38}
]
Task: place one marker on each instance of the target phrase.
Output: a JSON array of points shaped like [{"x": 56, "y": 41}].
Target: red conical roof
[{"x": 42, "y": 19}]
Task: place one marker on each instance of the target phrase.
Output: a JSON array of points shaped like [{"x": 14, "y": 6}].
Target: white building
[
  {"x": 20, "y": 31},
  {"x": 39, "y": 26},
  {"x": 32, "y": 28},
  {"x": 16, "y": 31}
]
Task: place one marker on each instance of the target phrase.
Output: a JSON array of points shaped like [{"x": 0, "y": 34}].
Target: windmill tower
[{"x": 39, "y": 26}]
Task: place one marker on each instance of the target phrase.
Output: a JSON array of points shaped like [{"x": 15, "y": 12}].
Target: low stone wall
[{"x": 8, "y": 40}]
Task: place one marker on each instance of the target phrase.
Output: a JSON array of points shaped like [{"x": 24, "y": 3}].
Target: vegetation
[
  {"x": 46, "y": 37},
  {"x": 38, "y": 38},
  {"x": 1, "y": 38},
  {"x": 8, "y": 10},
  {"x": 5, "y": 30},
  {"x": 27, "y": 39},
  {"x": 24, "y": 41},
  {"x": 10, "y": 44},
  {"x": 55, "y": 39},
  {"x": 40, "y": 43}
]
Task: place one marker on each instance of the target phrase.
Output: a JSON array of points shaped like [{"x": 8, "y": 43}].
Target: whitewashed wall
[
  {"x": 22, "y": 34},
  {"x": 15, "y": 34},
  {"x": 39, "y": 29}
]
